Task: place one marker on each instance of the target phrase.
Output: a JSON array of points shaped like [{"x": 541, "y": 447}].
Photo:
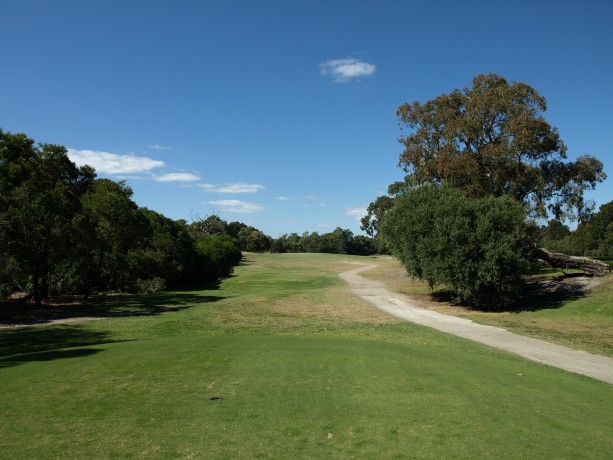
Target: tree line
[
  {"x": 250, "y": 239},
  {"x": 63, "y": 230}
]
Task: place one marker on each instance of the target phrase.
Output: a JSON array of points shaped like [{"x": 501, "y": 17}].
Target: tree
[
  {"x": 592, "y": 238},
  {"x": 555, "y": 230},
  {"x": 115, "y": 226},
  {"x": 221, "y": 255},
  {"x": 491, "y": 139},
  {"x": 340, "y": 241},
  {"x": 211, "y": 225},
  {"x": 479, "y": 248},
  {"x": 41, "y": 197},
  {"x": 252, "y": 240},
  {"x": 487, "y": 141}
]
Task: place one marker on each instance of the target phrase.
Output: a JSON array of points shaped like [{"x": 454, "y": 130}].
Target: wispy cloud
[
  {"x": 176, "y": 177},
  {"x": 344, "y": 70},
  {"x": 238, "y": 187},
  {"x": 113, "y": 163},
  {"x": 285, "y": 198},
  {"x": 356, "y": 213},
  {"x": 237, "y": 206},
  {"x": 159, "y": 147}
]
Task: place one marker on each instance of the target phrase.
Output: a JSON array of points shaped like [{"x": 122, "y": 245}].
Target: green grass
[{"x": 303, "y": 370}]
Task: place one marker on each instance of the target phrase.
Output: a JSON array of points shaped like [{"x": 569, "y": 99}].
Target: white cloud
[
  {"x": 356, "y": 213},
  {"x": 237, "y": 206},
  {"x": 113, "y": 163},
  {"x": 159, "y": 147},
  {"x": 176, "y": 177},
  {"x": 285, "y": 198},
  {"x": 344, "y": 70},
  {"x": 238, "y": 187}
]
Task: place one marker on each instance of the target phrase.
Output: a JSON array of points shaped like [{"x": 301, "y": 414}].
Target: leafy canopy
[{"x": 491, "y": 139}]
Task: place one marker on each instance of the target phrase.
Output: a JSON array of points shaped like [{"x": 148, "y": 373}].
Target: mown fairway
[{"x": 281, "y": 361}]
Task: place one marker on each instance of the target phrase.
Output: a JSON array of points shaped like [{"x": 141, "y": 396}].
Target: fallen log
[{"x": 558, "y": 260}]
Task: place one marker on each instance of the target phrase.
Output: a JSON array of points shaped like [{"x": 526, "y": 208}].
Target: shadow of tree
[
  {"x": 21, "y": 345},
  {"x": 104, "y": 306},
  {"x": 536, "y": 295},
  {"x": 60, "y": 339},
  {"x": 548, "y": 294}
]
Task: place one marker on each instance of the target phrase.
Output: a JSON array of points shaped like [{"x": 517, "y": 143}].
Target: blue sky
[{"x": 281, "y": 114}]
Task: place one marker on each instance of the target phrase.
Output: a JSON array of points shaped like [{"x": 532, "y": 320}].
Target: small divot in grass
[{"x": 216, "y": 399}]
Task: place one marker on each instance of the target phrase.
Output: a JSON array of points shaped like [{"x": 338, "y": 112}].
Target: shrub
[
  {"x": 150, "y": 286},
  {"x": 219, "y": 255},
  {"x": 479, "y": 248}
]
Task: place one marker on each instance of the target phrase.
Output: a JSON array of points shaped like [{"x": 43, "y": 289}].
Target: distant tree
[
  {"x": 364, "y": 246},
  {"x": 210, "y": 225},
  {"x": 234, "y": 228},
  {"x": 592, "y": 238},
  {"x": 341, "y": 241},
  {"x": 220, "y": 255},
  {"x": 313, "y": 243},
  {"x": 278, "y": 245}
]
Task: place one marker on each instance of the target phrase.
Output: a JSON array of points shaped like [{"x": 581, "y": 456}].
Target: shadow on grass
[
  {"x": 60, "y": 339},
  {"x": 548, "y": 294},
  {"x": 536, "y": 295},
  {"x": 22, "y": 345},
  {"x": 64, "y": 309}
]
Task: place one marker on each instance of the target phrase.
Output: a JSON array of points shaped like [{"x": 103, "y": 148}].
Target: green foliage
[
  {"x": 64, "y": 232},
  {"x": 151, "y": 286},
  {"x": 252, "y": 240},
  {"x": 339, "y": 241},
  {"x": 592, "y": 238},
  {"x": 219, "y": 254},
  {"x": 41, "y": 191},
  {"x": 478, "y": 248},
  {"x": 492, "y": 140}
]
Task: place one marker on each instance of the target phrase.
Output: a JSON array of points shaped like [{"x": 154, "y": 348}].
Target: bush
[
  {"x": 151, "y": 286},
  {"x": 478, "y": 248},
  {"x": 219, "y": 255}
]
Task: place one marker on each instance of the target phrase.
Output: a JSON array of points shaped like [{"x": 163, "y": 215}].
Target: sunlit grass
[{"x": 297, "y": 368}]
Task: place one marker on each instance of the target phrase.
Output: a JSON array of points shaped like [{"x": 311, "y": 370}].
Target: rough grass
[
  {"x": 281, "y": 361},
  {"x": 582, "y": 320}
]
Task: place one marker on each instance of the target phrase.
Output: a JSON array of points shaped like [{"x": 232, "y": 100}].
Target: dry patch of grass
[
  {"x": 336, "y": 303},
  {"x": 579, "y": 321}
]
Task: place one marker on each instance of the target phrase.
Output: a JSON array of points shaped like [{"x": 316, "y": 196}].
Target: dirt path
[{"x": 580, "y": 362}]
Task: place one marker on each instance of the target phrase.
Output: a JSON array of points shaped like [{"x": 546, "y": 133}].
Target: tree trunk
[
  {"x": 44, "y": 287},
  {"x": 558, "y": 260},
  {"x": 36, "y": 287}
]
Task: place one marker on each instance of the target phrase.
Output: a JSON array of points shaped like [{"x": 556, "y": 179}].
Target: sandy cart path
[{"x": 580, "y": 362}]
